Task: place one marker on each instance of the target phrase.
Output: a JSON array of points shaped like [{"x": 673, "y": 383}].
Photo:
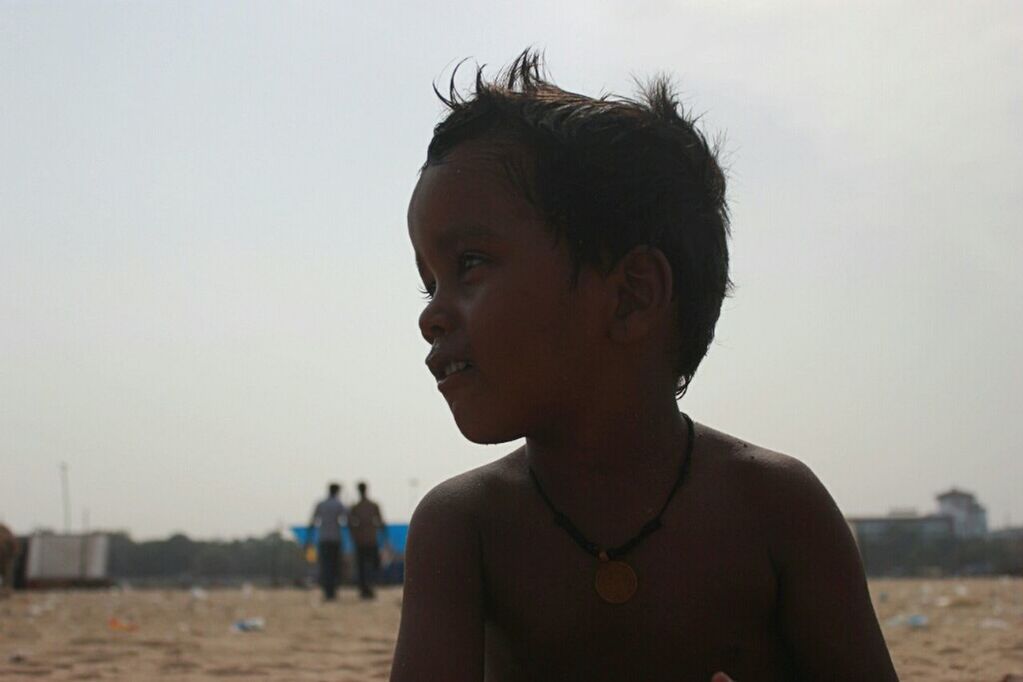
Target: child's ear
[{"x": 643, "y": 293}]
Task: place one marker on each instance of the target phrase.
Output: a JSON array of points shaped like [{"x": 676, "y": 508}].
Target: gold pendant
[{"x": 615, "y": 581}]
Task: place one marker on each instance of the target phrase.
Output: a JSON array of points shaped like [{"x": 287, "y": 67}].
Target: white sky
[{"x": 208, "y": 302}]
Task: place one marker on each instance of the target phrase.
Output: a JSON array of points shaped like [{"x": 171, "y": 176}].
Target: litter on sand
[
  {"x": 119, "y": 625},
  {"x": 915, "y": 621},
  {"x": 249, "y": 625}
]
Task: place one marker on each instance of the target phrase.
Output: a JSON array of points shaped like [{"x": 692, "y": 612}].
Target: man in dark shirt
[{"x": 365, "y": 523}]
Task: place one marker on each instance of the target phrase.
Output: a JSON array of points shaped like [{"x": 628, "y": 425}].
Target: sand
[
  {"x": 970, "y": 630},
  {"x": 144, "y": 635}
]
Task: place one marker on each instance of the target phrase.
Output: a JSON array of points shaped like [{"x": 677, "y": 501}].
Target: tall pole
[{"x": 67, "y": 497}]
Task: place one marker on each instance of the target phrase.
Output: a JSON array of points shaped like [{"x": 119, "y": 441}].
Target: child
[{"x": 573, "y": 251}]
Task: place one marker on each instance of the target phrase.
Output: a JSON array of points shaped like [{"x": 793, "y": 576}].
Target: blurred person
[
  {"x": 328, "y": 517},
  {"x": 366, "y": 523}
]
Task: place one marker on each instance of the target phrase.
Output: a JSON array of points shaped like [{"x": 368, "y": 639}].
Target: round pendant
[{"x": 615, "y": 581}]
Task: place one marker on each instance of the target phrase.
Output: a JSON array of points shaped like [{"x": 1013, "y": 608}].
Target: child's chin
[{"x": 484, "y": 431}]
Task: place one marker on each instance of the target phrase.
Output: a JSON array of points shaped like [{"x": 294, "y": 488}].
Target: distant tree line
[
  {"x": 273, "y": 560},
  {"x": 179, "y": 559},
  {"x": 900, "y": 552}
]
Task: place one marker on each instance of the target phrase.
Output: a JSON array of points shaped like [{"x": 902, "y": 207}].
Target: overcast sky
[{"x": 208, "y": 301}]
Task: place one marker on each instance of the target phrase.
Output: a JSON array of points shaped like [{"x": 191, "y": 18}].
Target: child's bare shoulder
[
  {"x": 468, "y": 498},
  {"x": 738, "y": 457},
  {"x": 760, "y": 479}
]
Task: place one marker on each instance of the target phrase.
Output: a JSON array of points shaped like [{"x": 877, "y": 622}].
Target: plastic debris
[
  {"x": 917, "y": 621},
  {"x": 249, "y": 625},
  {"x": 993, "y": 624},
  {"x": 119, "y": 625},
  {"x": 198, "y": 594},
  {"x": 36, "y": 609}
]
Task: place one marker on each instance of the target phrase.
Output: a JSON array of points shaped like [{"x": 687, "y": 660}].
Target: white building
[{"x": 969, "y": 518}]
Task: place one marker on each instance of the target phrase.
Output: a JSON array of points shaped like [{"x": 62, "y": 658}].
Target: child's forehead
[
  {"x": 479, "y": 163},
  {"x": 470, "y": 184}
]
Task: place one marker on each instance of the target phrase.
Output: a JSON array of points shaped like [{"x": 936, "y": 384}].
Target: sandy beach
[{"x": 968, "y": 630}]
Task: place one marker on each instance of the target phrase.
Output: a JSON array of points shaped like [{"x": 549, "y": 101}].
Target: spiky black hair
[{"x": 608, "y": 174}]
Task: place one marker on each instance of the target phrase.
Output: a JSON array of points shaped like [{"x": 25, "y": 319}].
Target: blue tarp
[{"x": 396, "y": 535}]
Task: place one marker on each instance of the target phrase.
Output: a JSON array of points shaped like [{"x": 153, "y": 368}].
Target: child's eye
[{"x": 467, "y": 261}]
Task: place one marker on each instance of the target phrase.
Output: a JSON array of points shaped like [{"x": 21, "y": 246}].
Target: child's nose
[{"x": 434, "y": 322}]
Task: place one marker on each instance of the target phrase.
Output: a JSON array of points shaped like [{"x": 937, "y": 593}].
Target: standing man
[
  {"x": 329, "y": 515},
  {"x": 365, "y": 523}
]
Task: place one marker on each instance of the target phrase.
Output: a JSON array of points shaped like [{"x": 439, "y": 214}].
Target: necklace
[{"x": 615, "y": 580}]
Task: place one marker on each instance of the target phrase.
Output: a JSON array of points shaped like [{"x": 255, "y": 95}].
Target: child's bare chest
[{"x": 704, "y": 601}]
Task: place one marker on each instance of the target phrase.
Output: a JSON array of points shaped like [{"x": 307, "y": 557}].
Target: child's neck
[{"x": 628, "y": 444}]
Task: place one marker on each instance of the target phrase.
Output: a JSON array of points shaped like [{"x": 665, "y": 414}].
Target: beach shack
[{"x": 67, "y": 560}]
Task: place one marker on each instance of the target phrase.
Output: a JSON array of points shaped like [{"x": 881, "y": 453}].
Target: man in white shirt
[{"x": 329, "y": 515}]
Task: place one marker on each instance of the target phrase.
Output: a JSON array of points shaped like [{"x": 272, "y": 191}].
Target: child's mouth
[
  {"x": 452, "y": 368},
  {"x": 444, "y": 367}
]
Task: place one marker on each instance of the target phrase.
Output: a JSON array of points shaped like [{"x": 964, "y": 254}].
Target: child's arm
[
  {"x": 826, "y": 614},
  {"x": 441, "y": 634}
]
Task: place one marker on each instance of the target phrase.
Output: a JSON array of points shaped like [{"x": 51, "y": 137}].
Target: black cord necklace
[{"x": 616, "y": 581}]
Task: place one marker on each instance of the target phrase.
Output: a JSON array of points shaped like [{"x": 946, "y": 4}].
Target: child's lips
[
  {"x": 445, "y": 365},
  {"x": 453, "y": 367},
  {"x": 458, "y": 375}
]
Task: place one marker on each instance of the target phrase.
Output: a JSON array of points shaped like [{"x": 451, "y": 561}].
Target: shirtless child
[{"x": 574, "y": 255}]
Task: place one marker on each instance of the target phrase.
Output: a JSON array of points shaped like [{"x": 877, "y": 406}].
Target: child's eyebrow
[{"x": 452, "y": 234}]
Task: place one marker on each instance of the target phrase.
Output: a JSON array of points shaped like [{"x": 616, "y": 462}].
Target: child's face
[{"x": 514, "y": 344}]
